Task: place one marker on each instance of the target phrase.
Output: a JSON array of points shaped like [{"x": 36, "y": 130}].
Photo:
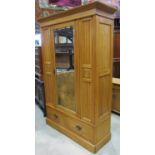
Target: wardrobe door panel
[
  {"x": 47, "y": 65},
  {"x": 86, "y": 79}
]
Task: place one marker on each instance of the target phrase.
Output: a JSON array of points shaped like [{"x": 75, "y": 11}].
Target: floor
[{"x": 49, "y": 141}]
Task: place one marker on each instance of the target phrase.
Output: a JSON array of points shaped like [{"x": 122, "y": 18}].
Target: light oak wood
[
  {"x": 89, "y": 124},
  {"x": 86, "y": 68},
  {"x": 47, "y": 64}
]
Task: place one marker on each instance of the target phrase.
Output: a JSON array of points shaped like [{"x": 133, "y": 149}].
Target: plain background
[{"x": 17, "y": 77}]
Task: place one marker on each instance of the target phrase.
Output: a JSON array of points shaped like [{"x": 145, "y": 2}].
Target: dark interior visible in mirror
[{"x": 64, "y": 48}]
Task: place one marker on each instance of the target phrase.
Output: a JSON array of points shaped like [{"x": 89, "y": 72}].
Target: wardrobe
[{"x": 77, "y": 50}]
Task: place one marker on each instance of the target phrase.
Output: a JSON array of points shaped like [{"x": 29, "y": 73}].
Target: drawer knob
[
  {"x": 78, "y": 127},
  {"x": 55, "y": 116}
]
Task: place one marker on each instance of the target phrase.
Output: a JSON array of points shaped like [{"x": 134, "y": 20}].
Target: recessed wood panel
[
  {"x": 86, "y": 93},
  {"x": 85, "y": 49},
  {"x": 86, "y": 41},
  {"x": 47, "y": 65},
  {"x": 104, "y": 94},
  {"x": 104, "y": 58},
  {"x": 46, "y": 45},
  {"x": 104, "y": 66}
]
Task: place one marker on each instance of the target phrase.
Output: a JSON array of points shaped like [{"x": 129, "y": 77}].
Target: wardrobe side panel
[{"x": 104, "y": 66}]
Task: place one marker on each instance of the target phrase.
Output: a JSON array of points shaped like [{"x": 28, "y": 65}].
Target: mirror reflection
[{"x": 64, "y": 62}]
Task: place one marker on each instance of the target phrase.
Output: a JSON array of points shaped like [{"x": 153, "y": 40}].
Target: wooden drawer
[
  {"x": 55, "y": 116},
  {"x": 71, "y": 124},
  {"x": 80, "y": 128}
]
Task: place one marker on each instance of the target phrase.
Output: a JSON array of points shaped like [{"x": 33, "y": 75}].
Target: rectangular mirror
[{"x": 64, "y": 63}]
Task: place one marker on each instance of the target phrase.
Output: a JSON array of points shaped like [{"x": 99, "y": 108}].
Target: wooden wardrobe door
[
  {"x": 86, "y": 76},
  {"x": 47, "y": 65}
]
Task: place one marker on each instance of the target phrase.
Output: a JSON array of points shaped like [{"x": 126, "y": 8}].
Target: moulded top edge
[{"x": 95, "y": 5}]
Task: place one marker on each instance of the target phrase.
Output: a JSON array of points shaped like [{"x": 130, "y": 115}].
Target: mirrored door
[{"x": 64, "y": 67}]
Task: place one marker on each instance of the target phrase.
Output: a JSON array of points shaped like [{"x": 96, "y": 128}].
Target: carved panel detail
[{"x": 86, "y": 74}]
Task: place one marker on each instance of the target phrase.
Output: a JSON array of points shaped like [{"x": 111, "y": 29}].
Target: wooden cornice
[{"x": 102, "y": 7}]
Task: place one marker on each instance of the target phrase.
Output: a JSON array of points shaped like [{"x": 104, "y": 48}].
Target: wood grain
[{"x": 92, "y": 24}]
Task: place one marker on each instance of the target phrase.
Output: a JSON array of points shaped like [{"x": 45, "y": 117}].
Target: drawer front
[
  {"x": 55, "y": 116},
  {"x": 71, "y": 124},
  {"x": 80, "y": 128}
]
